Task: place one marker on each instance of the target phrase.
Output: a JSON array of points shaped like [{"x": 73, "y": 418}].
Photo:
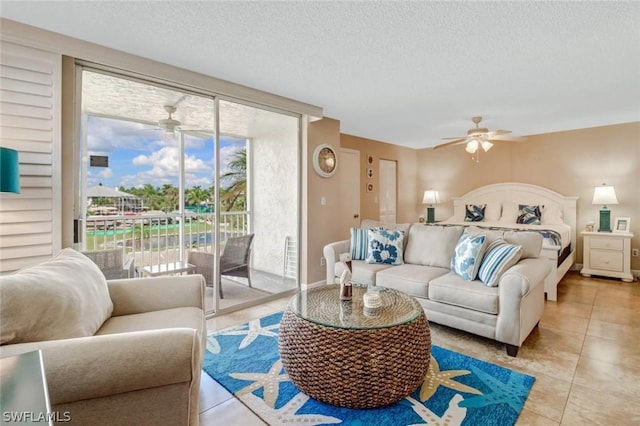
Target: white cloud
[{"x": 165, "y": 168}]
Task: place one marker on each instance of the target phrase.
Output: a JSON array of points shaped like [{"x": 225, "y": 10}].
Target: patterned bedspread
[{"x": 550, "y": 237}]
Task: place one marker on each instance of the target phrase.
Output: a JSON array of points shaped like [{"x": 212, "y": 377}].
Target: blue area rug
[{"x": 458, "y": 390}]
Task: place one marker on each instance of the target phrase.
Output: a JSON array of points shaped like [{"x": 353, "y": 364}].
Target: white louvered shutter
[{"x": 30, "y": 222}]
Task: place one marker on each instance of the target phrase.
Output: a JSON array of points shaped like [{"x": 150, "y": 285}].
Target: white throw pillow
[{"x": 62, "y": 298}]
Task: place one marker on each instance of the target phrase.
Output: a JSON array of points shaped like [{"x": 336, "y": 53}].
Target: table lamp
[
  {"x": 604, "y": 195},
  {"x": 9, "y": 171},
  {"x": 430, "y": 198}
]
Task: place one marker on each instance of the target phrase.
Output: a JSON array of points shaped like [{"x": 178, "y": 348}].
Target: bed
[{"x": 558, "y": 225}]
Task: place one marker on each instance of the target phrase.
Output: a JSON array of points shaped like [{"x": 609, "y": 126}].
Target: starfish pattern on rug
[
  {"x": 436, "y": 378},
  {"x": 287, "y": 413},
  {"x": 454, "y": 415},
  {"x": 254, "y": 330},
  {"x": 269, "y": 381},
  {"x": 513, "y": 393}
]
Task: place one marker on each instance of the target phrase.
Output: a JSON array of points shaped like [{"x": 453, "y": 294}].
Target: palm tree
[
  {"x": 196, "y": 196},
  {"x": 151, "y": 196},
  {"x": 233, "y": 194},
  {"x": 171, "y": 198}
]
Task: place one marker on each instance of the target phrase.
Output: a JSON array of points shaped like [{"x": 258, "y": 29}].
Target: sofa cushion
[
  {"x": 531, "y": 242},
  {"x": 500, "y": 257},
  {"x": 491, "y": 234},
  {"x": 432, "y": 245},
  {"x": 452, "y": 289},
  {"x": 185, "y": 317},
  {"x": 410, "y": 279},
  {"x": 385, "y": 247},
  {"x": 62, "y": 298},
  {"x": 468, "y": 255},
  {"x": 361, "y": 272}
]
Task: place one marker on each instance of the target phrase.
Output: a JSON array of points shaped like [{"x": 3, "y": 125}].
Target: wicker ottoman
[{"x": 336, "y": 354}]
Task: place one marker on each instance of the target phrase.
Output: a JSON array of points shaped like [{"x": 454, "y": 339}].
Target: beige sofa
[
  {"x": 506, "y": 313},
  {"x": 114, "y": 352}
]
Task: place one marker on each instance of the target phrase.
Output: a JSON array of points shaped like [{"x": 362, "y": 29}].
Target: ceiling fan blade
[
  {"x": 499, "y": 132},
  {"x": 457, "y": 137},
  {"x": 454, "y": 142},
  {"x": 507, "y": 139}
]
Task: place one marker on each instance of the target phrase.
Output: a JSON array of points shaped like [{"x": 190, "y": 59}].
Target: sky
[{"x": 139, "y": 154}]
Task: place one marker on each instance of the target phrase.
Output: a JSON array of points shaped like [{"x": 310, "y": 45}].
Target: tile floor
[{"x": 585, "y": 356}]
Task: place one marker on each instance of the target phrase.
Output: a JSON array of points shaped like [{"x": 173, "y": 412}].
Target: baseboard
[{"x": 634, "y": 272}]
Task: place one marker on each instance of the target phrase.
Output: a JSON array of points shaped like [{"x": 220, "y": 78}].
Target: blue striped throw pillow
[
  {"x": 499, "y": 257},
  {"x": 359, "y": 243}
]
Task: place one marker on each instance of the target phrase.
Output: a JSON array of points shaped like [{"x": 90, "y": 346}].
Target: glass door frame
[{"x": 80, "y": 174}]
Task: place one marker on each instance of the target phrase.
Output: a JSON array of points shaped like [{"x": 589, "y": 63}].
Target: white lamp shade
[
  {"x": 472, "y": 147},
  {"x": 486, "y": 145},
  {"x": 604, "y": 195},
  {"x": 430, "y": 197}
]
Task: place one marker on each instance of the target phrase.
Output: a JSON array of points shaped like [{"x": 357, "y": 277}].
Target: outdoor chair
[
  {"x": 234, "y": 260},
  {"x": 112, "y": 263}
]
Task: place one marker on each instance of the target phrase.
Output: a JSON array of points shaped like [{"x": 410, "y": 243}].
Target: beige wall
[
  {"x": 319, "y": 225},
  {"x": 570, "y": 163},
  {"x": 406, "y": 176}
]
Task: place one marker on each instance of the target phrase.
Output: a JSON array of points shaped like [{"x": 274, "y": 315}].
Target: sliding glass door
[{"x": 159, "y": 182}]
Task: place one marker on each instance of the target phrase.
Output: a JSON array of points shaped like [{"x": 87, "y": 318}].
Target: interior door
[
  {"x": 388, "y": 191},
  {"x": 349, "y": 171}
]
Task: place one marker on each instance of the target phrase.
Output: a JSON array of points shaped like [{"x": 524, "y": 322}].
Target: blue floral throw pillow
[
  {"x": 468, "y": 255},
  {"x": 529, "y": 215},
  {"x": 474, "y": 212},
  {"x": 385, "y": 247}
]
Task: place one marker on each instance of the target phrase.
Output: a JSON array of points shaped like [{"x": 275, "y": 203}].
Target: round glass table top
[{"x": 322, "y": 305}]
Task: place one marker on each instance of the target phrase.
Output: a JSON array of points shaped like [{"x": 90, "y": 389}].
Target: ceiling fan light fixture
[
  {"x": 486, "y": 145},
  {"x": 472, "y": 146}
]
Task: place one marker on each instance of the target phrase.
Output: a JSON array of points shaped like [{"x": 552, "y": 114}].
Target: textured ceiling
[{"x": 408, "y": 73}]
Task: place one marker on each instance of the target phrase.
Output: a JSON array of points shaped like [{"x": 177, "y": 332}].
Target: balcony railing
[{"x": 158, "y": 239}]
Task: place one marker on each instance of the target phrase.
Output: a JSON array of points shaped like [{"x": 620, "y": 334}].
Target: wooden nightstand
[{"x": 607, "y": 254}]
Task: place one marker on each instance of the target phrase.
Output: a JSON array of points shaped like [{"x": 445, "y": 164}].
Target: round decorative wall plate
[{"x": 325, "y": 160}]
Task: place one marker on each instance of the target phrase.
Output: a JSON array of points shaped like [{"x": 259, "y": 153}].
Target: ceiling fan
[
  {"x": 478, "y": 137},
  {"x": 170, "y": 125}
]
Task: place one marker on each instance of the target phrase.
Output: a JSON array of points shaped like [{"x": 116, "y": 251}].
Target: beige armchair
[{"x": 141, "y": 365}]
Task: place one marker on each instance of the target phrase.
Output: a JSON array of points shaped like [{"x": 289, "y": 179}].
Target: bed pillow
[
  {"x": 385, "y": 246},
  {"x": 499, "y": 257},
  {"x": 552, "y": 215},
  {"x": 474, "y": 212},
  {"x": 492, "y": 212},
  {"x": 529, "y": 215},
  {"x": 509, "y": 212},
  {"x": 359, "y": 243},
  {"x": 62, "y": 298},
  {"x": 468, "y": 255}
]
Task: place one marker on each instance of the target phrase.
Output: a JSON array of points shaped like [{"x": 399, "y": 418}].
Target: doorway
[
  {"x": 349, "y": 172},
  {"x": 387, "y": 193}
]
